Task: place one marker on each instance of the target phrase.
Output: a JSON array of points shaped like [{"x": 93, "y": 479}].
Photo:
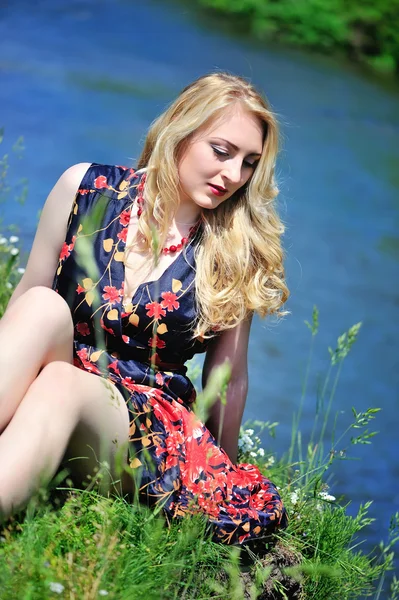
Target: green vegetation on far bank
[{"x": 364, "y": 31}]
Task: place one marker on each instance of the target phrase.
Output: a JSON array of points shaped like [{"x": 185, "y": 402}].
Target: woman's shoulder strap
[{"x": 107, "y": 179}]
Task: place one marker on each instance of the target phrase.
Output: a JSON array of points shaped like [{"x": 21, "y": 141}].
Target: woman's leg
[
  {"x": 34, "y": 331},
  {"x": 62, "y": 404}
]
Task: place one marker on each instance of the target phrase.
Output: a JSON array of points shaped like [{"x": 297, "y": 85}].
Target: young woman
[{"x": 151, "y": 266}]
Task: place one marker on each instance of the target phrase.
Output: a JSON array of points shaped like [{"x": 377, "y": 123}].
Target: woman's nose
[{"x": 232, "y": 171}]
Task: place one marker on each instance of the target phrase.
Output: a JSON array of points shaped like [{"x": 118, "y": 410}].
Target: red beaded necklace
[{"x": 140, "y": 202}]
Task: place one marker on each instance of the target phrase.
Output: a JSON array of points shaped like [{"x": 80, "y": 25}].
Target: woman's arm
[
  {"x": 51, "y": 231},
  {"x": 231, "y": 345}
]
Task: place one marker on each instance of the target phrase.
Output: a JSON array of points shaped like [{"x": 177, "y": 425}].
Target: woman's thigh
[
  {"x": 100, "y": 436},
  {"x": 35, "y": 330}
]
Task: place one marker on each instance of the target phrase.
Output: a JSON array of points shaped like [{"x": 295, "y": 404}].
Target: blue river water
[{"x": 82, "y": 80}]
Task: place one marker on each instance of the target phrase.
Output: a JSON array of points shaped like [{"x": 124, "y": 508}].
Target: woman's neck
[{"x": 187, "y": 213}]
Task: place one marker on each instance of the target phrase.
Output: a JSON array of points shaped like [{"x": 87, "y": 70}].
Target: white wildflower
[
  {"x": 14, "y": 251},
  {"x": 21, "y": 270},
  {"x": 13, "y": 239},
  {"x": 253, "y": 454},
  {"x": 3, "y": 240},
  {"x": 58, "y": 588},
  {"x": 249, "y": 431},
  {"x": 102, "y": 593},
  {"x": 270, "y": 461},
  {"x": 9, "y": 285},
  {"x": 294, "y": 497},
  {"x": 327, "y": 497},
  {"x": 261, "y": 452},
  {"x": 245, "y": 443}
]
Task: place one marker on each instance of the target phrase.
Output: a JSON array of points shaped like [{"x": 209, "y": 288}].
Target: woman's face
[{"x": 219, "y": 159}]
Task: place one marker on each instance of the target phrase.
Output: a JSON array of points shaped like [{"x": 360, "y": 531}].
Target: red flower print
[
  {"x": 112, "y": 294},
  {"x": 129, "y": 384},
  {"x": 67, "y": 248},
  {"x": 154, "y": 309},
  {"x": 88, "y": 365},
  {"x": 124, "y": 217},
  {"x": 65, "y": 251},
  {"x": 122, "y": 235},
  {"x": 100, "y": 182},
  {"x": 169, "y": 301},
  {"x": 155, "y": 342},
  {"x": 259, "y": 500},
  {"x": 126, "y": 339},
  {"x": 159, "y": 378},
  {"x": 80, "y": 289},
  {"x": 114, "y": 367},
  {"x": 83, "y": 328},
  {"x": 105, "y": 327}
]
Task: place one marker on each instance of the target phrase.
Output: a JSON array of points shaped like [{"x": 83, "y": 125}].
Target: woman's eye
[
  {"x": 251, "y": 165},
  {"x": 219, "y": 152}
]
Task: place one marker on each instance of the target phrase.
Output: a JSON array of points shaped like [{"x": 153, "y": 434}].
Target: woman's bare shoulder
[
  {"x": 71, "y": 178},
  {"x": 51, "y": 230}
]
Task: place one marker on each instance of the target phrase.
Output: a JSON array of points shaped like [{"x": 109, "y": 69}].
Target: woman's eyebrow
[{"x": 236, "y": 147}]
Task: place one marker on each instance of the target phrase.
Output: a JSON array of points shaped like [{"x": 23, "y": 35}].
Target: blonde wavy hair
[{"x": 239, "y": 261}]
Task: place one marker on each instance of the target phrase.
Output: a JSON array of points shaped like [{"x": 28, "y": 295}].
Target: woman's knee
[
  {"x": 45, "y": 302},
  {"x": 56, "y": 386}
]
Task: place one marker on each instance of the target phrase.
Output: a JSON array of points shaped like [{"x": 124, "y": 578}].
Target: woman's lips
[{"x": 217, "y": 191}]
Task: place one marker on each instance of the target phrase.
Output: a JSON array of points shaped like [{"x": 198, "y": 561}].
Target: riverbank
[{"x": 366, "y": 34}]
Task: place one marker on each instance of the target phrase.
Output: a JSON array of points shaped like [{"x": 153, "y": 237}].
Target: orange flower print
[
  {"x": 169, "y": 301},
  {"x": 80, "y": 289},
  {"x": 112, "y": 294},
  {"x": 154, "y": 309},
  {"x": 100, "y": 182}
]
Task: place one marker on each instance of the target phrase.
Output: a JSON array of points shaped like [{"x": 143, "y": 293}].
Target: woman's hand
[{"x": 224, "y": 421}]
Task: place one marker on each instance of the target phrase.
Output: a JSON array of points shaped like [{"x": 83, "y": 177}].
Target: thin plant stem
[
  {"x": 332, "y": 394},
  {"x": 297, "y": 417}
]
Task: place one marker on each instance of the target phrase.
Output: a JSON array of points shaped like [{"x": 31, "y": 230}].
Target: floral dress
[{"x": 141, "y": 348}]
